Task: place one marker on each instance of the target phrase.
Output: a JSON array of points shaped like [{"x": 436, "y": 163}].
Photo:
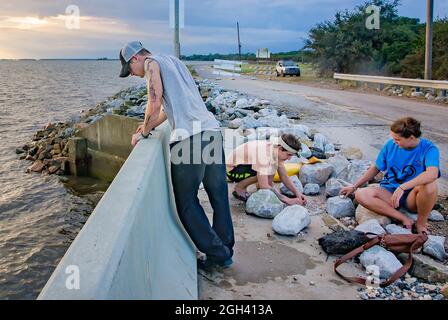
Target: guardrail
[
  {"x": 133, "y": 245},
  {"x": 228, "y": 65},
  {"x": 417, "y": 83}
]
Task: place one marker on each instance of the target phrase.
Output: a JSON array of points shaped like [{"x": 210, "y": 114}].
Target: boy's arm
[
  {"x": 263, "y": 183},
  {"x": 287, "y": 180}
]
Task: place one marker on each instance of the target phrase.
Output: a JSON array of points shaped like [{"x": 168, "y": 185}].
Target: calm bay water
[{"x": 39, "y": 215}]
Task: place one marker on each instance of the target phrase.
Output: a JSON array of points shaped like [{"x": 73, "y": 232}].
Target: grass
[{"x": 192, "y": 71}]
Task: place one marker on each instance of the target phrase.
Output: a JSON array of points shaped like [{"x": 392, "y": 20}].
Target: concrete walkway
[{"x": 269, "y": 266}]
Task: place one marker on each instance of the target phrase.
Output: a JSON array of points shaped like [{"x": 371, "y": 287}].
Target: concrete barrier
[
  {"x": 107, "y": 146},
  {"x": 133, "y": 245}
]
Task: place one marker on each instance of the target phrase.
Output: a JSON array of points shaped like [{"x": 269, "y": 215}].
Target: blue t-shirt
[{"x": 401, "y": 165}]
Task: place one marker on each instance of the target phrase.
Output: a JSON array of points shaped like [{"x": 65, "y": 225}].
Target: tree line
[{"x": 397, "y": 48}]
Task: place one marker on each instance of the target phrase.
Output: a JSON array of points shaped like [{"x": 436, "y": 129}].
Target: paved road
[{"x": 348, "y": 118}]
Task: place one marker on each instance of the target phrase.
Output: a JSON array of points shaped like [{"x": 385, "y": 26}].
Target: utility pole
[
  {"x": 428, "y": 51},
  {"x": 176, "y": 29},
  {"x": 239, "y": 42}
]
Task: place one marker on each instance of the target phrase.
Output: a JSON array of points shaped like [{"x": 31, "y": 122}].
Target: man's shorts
[
  {"x": 241, "y": 172},
  {"x": 403, "y": 199}
]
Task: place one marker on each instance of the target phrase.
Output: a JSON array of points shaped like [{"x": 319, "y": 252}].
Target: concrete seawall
[{"x": 133, "y": 245}]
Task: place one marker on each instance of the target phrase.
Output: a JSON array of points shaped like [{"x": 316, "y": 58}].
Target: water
[{"x": 39, "y": 215}]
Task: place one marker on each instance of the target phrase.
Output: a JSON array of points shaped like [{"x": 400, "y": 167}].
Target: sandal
[{"x": 243, "y": 197}]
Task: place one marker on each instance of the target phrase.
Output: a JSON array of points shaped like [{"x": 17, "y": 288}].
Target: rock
[
  {"x": 329, "y": 147},
  {"x": 441, "y": 99},
  {"x": 339, "y": 162},
  {"x": 264, "y": 203},
  {"x": 363, "y": 214},
  {"x": 435, "y": 247},
  {"x": 230, "y": 111},
  {"x": 318, "y": 153},
  {"x": 300, "y": 131},
  {"x": 306, "y": 152},
  {"x": 267, "y": 112},
  {"x": 274, "y": 121},
  {"x": 340, "y": 207},
  {"x": 436, "y": 216},
  {"x": 68, "y": 132},
  {"x": 333, "y": 187},
  {"x": 20, "y": 151},
  {"x": 30, "y": 158},
  {"x": 430, "y": 97},
  {"x": 408, "y": 214},
  {"x": 265, "y": 133},
  {"x": 354, "y": 170},
  {"x": 235, "y": 123},
  {"x": 385, "y": 260},
  {"x": 342, "y": 242},
  {"x": 394, "y": 229},
  {"x": 444, "y": 291},
  {"x": 250, "y": 122},
  {"x": 352, "y": 153},
  {"x": 311, "y": 189},
  {"x": 37, "y": 166},
  {"x": 291, "y": 220},
  {"x": 320, "y": 141},
  {"x": 315, "y": 173},
  {"x": 136, "y": 111},
  {"x": 241, "y": 103},
  {"x": 284, "y": 190},
  {"x": 417, "y": 94},
  {"x": 371, "y": 226},
  {"x": 53, "y": 169},
  {"x": 426, "y": 268}
]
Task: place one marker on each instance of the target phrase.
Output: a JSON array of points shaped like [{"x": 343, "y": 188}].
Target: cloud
[{"x": 37, "y": 28}]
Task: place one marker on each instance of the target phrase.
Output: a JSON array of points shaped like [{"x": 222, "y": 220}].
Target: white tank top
[{"x": 182, "y": 102}]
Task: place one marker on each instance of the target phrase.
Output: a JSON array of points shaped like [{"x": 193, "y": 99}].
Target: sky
[{"x": 49, "y": 28}]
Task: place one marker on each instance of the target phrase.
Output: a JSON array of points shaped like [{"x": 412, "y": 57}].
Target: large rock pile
[{"x": 48, "y": 150}]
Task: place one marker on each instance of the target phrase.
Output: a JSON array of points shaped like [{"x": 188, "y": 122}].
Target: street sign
[{"x": 263, "y": 53}]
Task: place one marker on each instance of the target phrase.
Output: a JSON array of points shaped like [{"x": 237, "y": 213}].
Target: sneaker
[{"x": 207, "y": 265}]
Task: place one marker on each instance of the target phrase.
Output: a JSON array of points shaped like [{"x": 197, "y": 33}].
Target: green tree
[
  {"x": 413, "y": 65},
  {"x": 346, "y": 45}
]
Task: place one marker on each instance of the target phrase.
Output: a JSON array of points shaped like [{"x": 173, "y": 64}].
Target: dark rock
[
  {"x": 342, "y": 242},
  {"x": 53, "y": 169},
  {"x": 33, "y": 151},
  {"x": 37, "y": 166},
  {"x": 318, "y": 153},
  {"x": 30, "y": 158},
  {"x": 19, "y": 151}
]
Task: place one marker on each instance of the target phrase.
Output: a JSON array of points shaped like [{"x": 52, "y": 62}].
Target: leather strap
[{"x": 368, "y": 245}]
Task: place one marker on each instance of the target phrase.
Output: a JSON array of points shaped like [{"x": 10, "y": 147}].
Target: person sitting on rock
[
  {"x": 257, "y": 162},
  {"x": 411, "y": 166}
]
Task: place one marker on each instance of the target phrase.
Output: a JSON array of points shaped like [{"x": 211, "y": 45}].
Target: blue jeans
[{"x": 215, "y": 241}]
